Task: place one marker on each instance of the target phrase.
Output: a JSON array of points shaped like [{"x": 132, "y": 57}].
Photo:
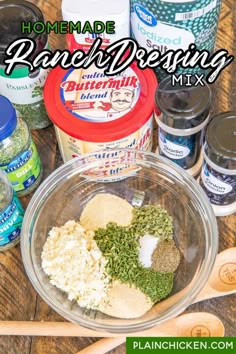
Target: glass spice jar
[
  {"x": 218, "y": 175},
  {"x": 182, "y": 113},
  {"x": 18, "y": 154},
  {"x": 23, "y": 88},
  {"x": 11, "y": 214}
]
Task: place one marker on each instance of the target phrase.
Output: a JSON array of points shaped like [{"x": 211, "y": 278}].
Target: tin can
[
  {"x": 182, "y": 114},
  {"x": 218, "y": 175}
]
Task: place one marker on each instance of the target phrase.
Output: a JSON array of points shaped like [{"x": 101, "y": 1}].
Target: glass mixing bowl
[{"x": 141, "y": 178}]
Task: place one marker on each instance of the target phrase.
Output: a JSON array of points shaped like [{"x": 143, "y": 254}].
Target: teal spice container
[
  {"x": 11, "y": 214},
  {"x": 23, "y": 88},
  {"x": 18, "y": 154},
  {"x": 175, "y": 24}
]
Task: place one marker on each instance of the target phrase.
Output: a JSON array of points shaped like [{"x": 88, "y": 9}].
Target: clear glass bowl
[{"x": 140, "y": 178}]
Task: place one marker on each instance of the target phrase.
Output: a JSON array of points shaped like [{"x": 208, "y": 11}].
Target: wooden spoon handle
[{"x": 103, "y": 346}]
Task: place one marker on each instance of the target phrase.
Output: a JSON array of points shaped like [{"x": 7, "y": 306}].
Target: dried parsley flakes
[{"x": 152, "y": 220}]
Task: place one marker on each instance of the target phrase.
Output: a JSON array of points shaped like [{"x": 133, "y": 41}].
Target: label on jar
[
  {"x": 175, "y": 24},
  {"x": 71, "y": 147},
  {"x": 183, "y": 150},
  {"x": 24, "y": 170},
  {"x": 172, "y": 150},
  {"x": 220, "y": 189},
  {"x": 23, "y": 87},
  {"x": 10, "y": 222},
  {"x": 93, "y": 97}
]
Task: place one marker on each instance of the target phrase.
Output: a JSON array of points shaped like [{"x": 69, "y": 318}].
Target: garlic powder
[{"x": 75, "y": 264}]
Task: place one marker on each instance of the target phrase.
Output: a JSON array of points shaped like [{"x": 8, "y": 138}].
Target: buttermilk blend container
[{"x": 92, "y": 111}]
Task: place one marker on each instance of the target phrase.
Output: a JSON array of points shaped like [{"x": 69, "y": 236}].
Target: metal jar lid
[
  {"x": 12, "y": 14},
  {"x": 220, "y": 144},
  {"x": 183, "y": 107}
]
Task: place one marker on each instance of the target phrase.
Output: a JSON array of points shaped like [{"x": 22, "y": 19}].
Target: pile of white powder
[{"x": 75, "y": 264}]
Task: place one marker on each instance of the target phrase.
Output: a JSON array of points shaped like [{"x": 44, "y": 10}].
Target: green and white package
[{"x": 175, "y": 24}]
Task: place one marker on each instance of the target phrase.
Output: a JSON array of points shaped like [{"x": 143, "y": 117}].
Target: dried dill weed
[
  {"x": 166, "y": 257},
  {"x": 18, "y": 154}
]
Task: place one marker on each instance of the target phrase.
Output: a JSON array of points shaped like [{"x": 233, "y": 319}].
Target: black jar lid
[
  {"x": 183, "y": 107},
  {"x": 221, "y": 140},
  {"x": 12, "y": 14}
]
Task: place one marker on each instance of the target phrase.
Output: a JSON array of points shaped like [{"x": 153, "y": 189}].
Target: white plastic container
[{"x": 96, "y": 10}]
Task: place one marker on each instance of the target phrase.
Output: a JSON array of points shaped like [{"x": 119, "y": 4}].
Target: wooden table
[{"x": 19, "y": 301}]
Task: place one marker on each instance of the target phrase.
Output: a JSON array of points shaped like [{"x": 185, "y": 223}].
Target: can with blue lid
[{"x": 18, "y": 154}]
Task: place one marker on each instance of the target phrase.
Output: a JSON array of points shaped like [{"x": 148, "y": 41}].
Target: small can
[
  {"x": 182, "y": 113},
  {"x": 11, "y": 214},
  {"x": 18, "y": 154},
  {"x": 218, "y": 175},
  {"x": 23, "y": 88}
]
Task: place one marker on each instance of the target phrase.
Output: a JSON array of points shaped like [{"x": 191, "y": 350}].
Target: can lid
[
  {"x": 79, "y": 102},
  {"x": 221, "y": 140},
  {"x": 182, "y": 107},
  {"x": 8, "y": 119},
  {"x": 12, "y": 14}
]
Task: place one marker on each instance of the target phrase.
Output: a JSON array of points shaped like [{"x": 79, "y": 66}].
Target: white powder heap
[
  {"x": 74, "y": 263},
  {"x": 147, "y": 245}
]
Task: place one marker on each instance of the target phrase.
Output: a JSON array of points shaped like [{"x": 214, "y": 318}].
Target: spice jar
[
  {"x": 18, "y": 154},
  {"x": 182, "y": 113},
  {"x": 218, "y": 175},
  {"x": 23, "y": 88},
  {"x": 11, "y": 214}
]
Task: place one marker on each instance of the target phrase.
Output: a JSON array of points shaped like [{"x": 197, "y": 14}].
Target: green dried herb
[
  {"x": 3, "y": 195},
  {"x": 166, "y": 257},
  {"x": 152, "y": 220},
  {"x": 34, "y": 114},
  {"x": 120, "y": 247},
  {"x": 19, "y": 140}
]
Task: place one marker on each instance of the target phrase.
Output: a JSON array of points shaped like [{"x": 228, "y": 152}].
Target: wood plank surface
[{"x": 19, "y": 301}]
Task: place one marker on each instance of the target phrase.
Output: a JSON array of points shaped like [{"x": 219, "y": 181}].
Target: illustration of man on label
[{"x": 120, "y": 102}]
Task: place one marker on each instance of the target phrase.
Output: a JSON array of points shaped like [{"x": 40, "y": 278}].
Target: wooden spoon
[
  {"x": 184, "y": 324},
  {"x": 221, "y": 282},
  {"x": 198, "y": 324}
]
